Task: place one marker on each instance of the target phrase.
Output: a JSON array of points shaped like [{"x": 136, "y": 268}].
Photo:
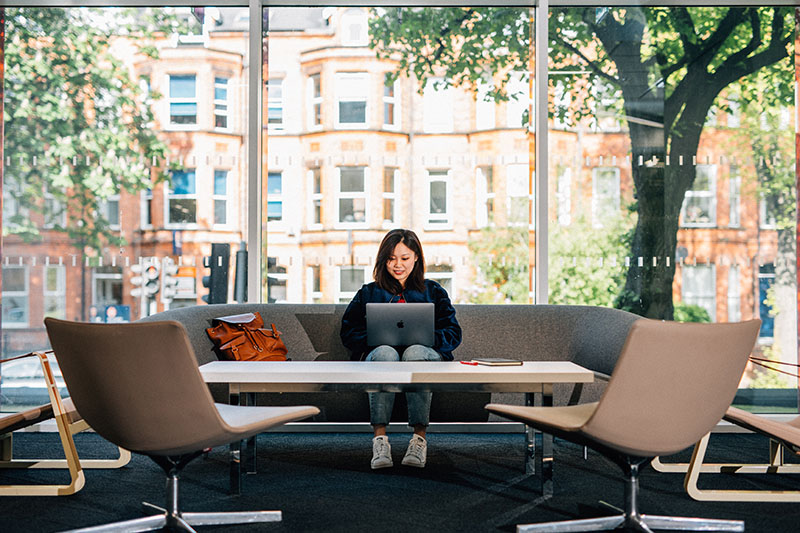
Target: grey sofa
[{"x": 589, "y": 336}]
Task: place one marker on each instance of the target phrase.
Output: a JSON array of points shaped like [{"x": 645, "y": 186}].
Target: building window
[
  {"x": 109, "y": 209},
  {"x": 391, "y": 114},
  {"x": 699, "y": 287},
  {"x": 519, "y": 102},
  {"x": 519, "y": 197},
  {"x": 766, "y": 278},
  {"x": 767, "y": 211},
  {"x": 484, "y": 188},
  {"x": 16, "y": 301},
  {"x": 354, "y": 28},
  {"x": 315, "y": 283},
  {"x": 274, "y": 196},
  {"x": 183, "y": 100},
  {"x": 735, "y": 185},
  {"x": 605, "y": 194},
  {"x": 315, "y": 101},
  {"x": 734, "y": 295},
  {"x": 275, "y": 104},
  {"x": 439, "y": 202},
  {"x": 389, "y": 195},
  {"x": 55, "y": 212},
  {"x": 351, "y": 99},
  {"x": 444, "y": 276},
  {"x": 55, "y": 291},
  {"x": 277, "y": 279},
  {"x": 699, "y": 209},
  {"x": 147, "y": 208},
  {"x": 350, "y": 280},
  {"x": 107, "y": 284},
  {"x": 220, "y": 197},
  {"x": 564, "y": 195},
  {"x": 437, "y": 107},
  {"x": 182, "y": 198},
  {"x": 484, "y": 107},
  {"x": 221, "y": 103},
  {"x": 352, "y": 196},
  {"x": 315, "y": 178},
  {"x": 15, "y": 214}
]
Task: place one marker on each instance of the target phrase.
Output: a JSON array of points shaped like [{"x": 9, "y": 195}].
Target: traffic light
[
  {"x": 217, "y": 282},
  {"x": 146, "y": 281},
  {"x": 168, "y": 280}
]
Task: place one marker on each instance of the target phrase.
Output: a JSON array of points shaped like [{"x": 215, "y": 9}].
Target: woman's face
[{"x": 401, "y": 263}]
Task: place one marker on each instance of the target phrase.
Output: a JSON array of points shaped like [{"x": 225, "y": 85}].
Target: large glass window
[
  {"x": 352, "y": 89},
  {"x": 183, "y": 99}
]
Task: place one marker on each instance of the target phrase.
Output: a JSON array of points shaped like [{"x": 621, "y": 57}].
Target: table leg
[
  {"x": 251, "y": 442},
  {"x": 539, "y": 446},
  {"x": 235, "y": 454}
]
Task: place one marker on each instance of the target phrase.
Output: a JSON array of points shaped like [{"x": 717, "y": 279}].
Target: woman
[{"x": 399, "y": 278}]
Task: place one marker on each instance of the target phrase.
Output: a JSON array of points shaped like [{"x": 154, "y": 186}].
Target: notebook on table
[{"x": 400, "y": 324}]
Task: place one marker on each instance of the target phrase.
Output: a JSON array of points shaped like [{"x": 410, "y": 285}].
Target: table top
[{"x": 399, "y": 373}]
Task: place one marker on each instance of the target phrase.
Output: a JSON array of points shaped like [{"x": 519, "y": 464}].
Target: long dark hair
[{"x": 415, "y": 280}]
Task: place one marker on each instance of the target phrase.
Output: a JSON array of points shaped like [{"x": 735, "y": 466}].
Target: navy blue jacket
[{"x": 447, "y": 332}]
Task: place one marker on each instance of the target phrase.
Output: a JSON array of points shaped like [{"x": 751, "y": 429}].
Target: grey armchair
[
  {"x": 671, "y": 385},
  {"x": 139, "y": 387}
]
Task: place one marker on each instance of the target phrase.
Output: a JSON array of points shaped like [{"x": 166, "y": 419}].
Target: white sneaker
[
  {"x": 381, "y": 453},
  {"x": 417, "y": 452}
]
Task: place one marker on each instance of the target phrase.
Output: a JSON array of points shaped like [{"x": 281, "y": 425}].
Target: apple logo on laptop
[{"x": 400, "y": 324}]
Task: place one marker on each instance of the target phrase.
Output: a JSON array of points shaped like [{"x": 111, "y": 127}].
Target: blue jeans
[{"x": 419, "y": 403}]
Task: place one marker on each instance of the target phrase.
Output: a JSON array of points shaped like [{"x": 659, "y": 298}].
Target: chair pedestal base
[{"x": 630, "y": 518}]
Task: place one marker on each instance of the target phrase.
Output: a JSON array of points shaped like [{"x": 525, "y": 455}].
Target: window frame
[
  {"x": 710, "y": 195},
  {"x": 435, "y": 175},
  {"x": 389, "y": 196},
  {"x": 26, "y": 294},
  {"x": 339, "y": 195},
  {"x": 315, "y": 198},
  {"x": 226, "y": 197},
  {"x": 60, "y": 292},
  {"x": 356, "y": 97},
  {"x": 169, "y": 196},
  {"x": 224, "y": 102},
  {"x": 597, "y": 219},
  {"x": 485, "y": 196},
  {"x": 176, "y": 126},
  {"x": 275, "y": 102}
]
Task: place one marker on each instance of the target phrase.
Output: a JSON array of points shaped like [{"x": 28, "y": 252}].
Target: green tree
[
  {"x": 587, "y": 263},
  {"x": 77, "y": 125},
  {"x": 668, "y": 64},
  {"x": 500, "y": 255}
]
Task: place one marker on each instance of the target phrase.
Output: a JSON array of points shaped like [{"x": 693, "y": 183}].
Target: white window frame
[
  {"x": 389, "y": 196},
  {"x": 734, "y": 199},
  {"x": 105, "y": 206},
  {"x": 315, "y": 198},
  {"x": 225, "y": 197},
  {"x": 438, "y": 276},
  {"x": 314, "y": 101},
  {"x": 339, "y": 195},
  {"x": 60, "y": 292},
  {"x": 518, "y": 85},
  {"x": 564, "y": 196},
  {"x": 170, "y": 196},
  {"x": 598, "y": 217},
  {"x": 313, "y": 296},
  {"x": 218, "y": 111},
  {"x": 392, "y": 100},
  {"x": 484, "y": 109},
  {"x": 277, "y": 198},
  {"x": 710, "y": 195},
  {"x": 734, "y": 295},
  {"x": 182, "y": 100},
  {"x": 275, "y": 102},
  {"x": 345, "y": 296},
  {"x": 439, "y": 221},
  {"x": 26, "y": 293},
  {"x": 484, "y": 195},
  {"x": 707, "y": 299},
  {"x": 51, "y": 219},
  {"x": 437, "y": 107},
  {"x": 146, "y": 208},
  {"x": 280, "y": 277},
  {"x": 766, "y": 219},
  {"x": 517, "y": 177},
  {"x": 352, "y": 87}
]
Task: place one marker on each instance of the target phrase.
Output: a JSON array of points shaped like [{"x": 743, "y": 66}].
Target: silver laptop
[{"x": 400, "y": 324}]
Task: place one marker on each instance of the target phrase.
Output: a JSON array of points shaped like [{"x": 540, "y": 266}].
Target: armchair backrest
[
  {"x": 672, "y": 383},
  {"x": 136, "y": 384}
]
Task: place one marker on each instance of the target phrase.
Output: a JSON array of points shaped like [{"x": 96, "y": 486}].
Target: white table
[{"x": 532, "y": 378}]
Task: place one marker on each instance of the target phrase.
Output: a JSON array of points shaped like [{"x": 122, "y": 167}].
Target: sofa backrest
[{"x": 589, "y": 336}]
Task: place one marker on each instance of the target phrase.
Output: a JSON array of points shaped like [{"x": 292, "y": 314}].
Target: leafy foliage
[
  {"x": 501, "y": 259},
  {"x": 77, "y": 125},
  {"x": 690, "y": 313}
]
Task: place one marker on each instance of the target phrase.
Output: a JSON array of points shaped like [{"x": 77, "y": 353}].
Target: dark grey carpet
[{"x": 322, "y": 482}]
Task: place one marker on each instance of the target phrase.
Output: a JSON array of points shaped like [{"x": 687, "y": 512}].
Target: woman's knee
[
  {"x": 383, "y": 353},
  {"x": 418, "y": 352}
]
